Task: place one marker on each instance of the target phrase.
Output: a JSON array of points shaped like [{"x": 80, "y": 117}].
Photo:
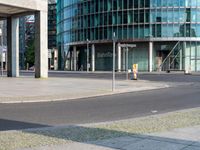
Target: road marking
[{"x": 154, "y": 111}]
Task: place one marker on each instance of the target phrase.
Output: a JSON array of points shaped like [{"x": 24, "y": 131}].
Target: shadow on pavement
[
  {"x": 94, "y": 136},
  {"x": 115, "y": 139},
  {"x": 17, "y": 125}
]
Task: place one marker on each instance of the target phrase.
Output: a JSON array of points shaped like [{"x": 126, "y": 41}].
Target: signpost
[
  {"x": 88, "y": 55},
  {"x": 113, "y": 80},
  {"x": 127, "y": 46},
  {"x": 1, "y": 34}
]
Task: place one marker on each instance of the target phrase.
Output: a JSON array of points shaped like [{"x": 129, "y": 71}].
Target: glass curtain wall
[
  {"x": 175, "y": 18},
  {"x": 80, "y": 20}
]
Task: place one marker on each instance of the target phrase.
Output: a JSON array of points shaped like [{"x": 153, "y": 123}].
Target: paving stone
[
  {"x": 182, "y": 135},
  {"x": 118, "y": 142},
  {"x": 154, "y": 145},
  {"x": 196, "y": 144},
  {"x": 192, "y": 148},
  {"x": 173, "y": 138},
  {"x": 72, "y": 146},
  {"x": 16, "y": 90}
]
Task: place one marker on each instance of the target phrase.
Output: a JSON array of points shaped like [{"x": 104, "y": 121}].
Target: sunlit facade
[{"x": 166, "y": 34}]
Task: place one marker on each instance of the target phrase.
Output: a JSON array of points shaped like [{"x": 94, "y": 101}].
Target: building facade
[
  {"x": 3, "y": 44},
  {"x": 166, "y": 34},
  {"x": 52, "y": 24},
  {"x": 52, "y": 34}
]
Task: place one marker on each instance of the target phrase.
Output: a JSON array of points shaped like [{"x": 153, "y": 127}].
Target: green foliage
[{"x": 30, "y": 53}]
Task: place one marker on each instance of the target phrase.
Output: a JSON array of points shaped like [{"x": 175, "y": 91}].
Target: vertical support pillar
[
  {"x": 74, "y": 57},
  {"x": 181, "y": 59},
  {"x": 93, "y": 58},
  {"x": 41, "y": 50},
  {"x": 88, "y": 54},
  {"x": 71, "y": 60},
  {"x": 13, "y": 46},
  {"x": 124, "y": 59},
  {"x": 119, "y": 57},
  {"x": 55, "y": 59},
  {"x": 186, "y": 52},
  {"x": 150, "y": 56},
  {"x": 127, "y": 61}
]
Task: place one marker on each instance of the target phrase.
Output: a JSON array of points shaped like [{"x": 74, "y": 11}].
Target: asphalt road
[
  {"x": 172, "y": 77},
  {"x": 100, "y": 109}
]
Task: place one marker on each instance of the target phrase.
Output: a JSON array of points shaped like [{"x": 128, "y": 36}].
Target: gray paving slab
[
  {"x": 171, "y": 140},
  {"x": 196, "y": 144},
  {"x": 118, "y": 143},
  {"x": 71, "y": 146},
  {"x": 192, "y": 148},
  {"x": 27, "y": 89},
  {"x": 148, "y": 144},
  {"x": 185, "y": 135}
]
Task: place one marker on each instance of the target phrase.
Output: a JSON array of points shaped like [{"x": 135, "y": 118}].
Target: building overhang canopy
[
  {"x": 14, "y": 7},
  {"x": 6, "y": 11}
]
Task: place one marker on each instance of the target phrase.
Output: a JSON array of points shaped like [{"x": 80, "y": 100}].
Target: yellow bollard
[{"x": 135, "y": 71}]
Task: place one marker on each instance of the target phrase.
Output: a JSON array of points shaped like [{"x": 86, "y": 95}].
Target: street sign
[{"x": 127, "y": 45}]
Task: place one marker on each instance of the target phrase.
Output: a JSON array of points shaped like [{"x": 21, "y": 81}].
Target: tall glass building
[{"x": 166, "y": 34}]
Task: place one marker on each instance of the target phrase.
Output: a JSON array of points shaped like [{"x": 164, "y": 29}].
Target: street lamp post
[
  {"x": 127, "y": 46},
  {"x": 127, "y": 70},
  {"x": 113, "y": 80},
  {"x": 88, "y": 55},
  {"x": 1, "y": 34}
]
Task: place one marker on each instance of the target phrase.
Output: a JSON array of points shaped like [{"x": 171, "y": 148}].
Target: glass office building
[
  {"x": 166, "y": 34},
  {"x": 52, "y": 24}
]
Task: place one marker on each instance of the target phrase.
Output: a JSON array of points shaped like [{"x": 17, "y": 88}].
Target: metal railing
[{"x": 169, "y": 56}]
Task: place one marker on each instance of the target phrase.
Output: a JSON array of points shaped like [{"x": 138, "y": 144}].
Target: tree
[{"x": 30, "y": 53}]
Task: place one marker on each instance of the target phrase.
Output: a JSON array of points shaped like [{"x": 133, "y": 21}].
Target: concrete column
[
  {"x": 119, "y": 57},
  {"x": 55, "y": 59},
  {"x": 41, "y": 50},
  {"x": 13, "y": 46},
  {"x": 74, "y": 57},
  {"x": 181, "y": 59},
  {"x": 124, "y": 59},
  {"x": 186, "y": 52},
  {"x": 150, "y": 56},
  {"x": 71, "y": 60},
  {"x": 93, "y": 58}
]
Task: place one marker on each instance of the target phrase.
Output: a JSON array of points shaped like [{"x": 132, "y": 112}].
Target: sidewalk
[
  {"x": 27, "y": 89},
  {"x": 178, "y": 130},
  {"x": 171, "y": 131},
  {"x": 177, "y": 139}
]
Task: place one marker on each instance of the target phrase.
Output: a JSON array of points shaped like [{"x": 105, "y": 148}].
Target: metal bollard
[{"x": 135, "y": 71}]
